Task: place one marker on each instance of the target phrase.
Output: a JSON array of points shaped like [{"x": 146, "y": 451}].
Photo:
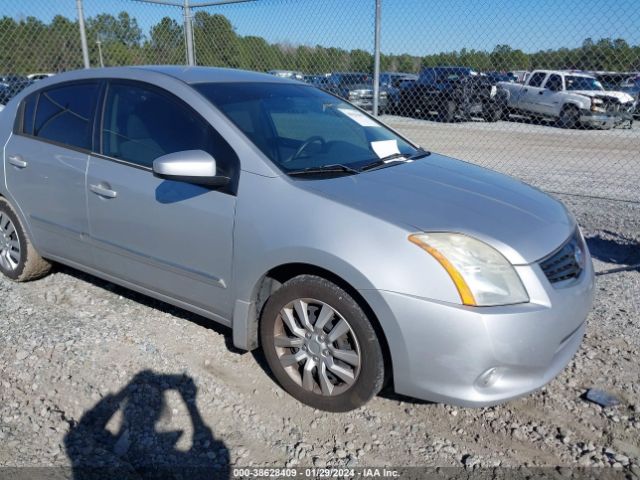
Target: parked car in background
[
  {"x": 357, "y": 87},
  {"x": 392, "y": 82},
  {"x": 287, "y": 74},
  {"x": 632, "y": 87},
  {"x": 571, "y": 99},
  {"x": 39, "y": 76},
  {"x": 393, "y": 79},
  {"x": 501, "y": 76},
  {"x": 453, "y": 92},
  {"x": 521, "y": 75},
  {"x": 611, "y": 80},
  {"x": 11, "y": 85},
  {"x": 347, "y": 253}
]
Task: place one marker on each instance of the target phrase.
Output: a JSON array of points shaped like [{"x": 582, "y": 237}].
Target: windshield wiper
[
  {"x": 333, "y": 168},
  {"x": 393, "y": 159}
]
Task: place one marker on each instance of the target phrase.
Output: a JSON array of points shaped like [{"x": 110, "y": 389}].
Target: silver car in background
[{"x": 351, "y": 256}]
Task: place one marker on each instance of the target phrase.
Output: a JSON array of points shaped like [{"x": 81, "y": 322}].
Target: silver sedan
[{"x": 350, "y": 255}]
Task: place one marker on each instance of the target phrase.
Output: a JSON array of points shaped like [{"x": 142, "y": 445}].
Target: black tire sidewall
[
  {"x": 7, "y": 210},
  {"x": 371, "y": 376},
  {"x": 569, "y": 117}
]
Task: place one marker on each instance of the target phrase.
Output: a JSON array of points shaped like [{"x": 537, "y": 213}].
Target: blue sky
[{"x": 409, "y": 26}]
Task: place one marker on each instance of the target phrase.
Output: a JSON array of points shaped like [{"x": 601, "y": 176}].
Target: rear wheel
[
  {"x": 320, "y": 345},
  {"x": 19, "y": 261}
]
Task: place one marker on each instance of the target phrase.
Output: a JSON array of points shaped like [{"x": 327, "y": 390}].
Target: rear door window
[
  {"x": 64, "y": 114},
  {"x": 554, "y": 83}
]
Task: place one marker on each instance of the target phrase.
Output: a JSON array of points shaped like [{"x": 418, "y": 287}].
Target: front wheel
[
  {"x": 320, "y": 345},
  {"x": 569, "y": 117},
  {"x": 448, "y": 111},
  {"x": 493, "y": 113}
]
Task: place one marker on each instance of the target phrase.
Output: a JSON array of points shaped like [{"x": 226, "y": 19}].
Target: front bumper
[
  {"x": 481, "y": 356},
  {"x": 367, "y": 103},
  {"x": 605, "y": 120}
]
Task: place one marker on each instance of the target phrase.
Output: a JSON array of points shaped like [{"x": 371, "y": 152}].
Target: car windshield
[
  {"x": 300, "y": 127},
  {"x": 582, "y": 83}
]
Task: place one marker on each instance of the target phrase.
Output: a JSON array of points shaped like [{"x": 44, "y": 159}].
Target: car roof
[
  {"x": 212, "y": 74},
  {"x": 564, "y": 72},
  {"x": 186, "y": 74}
]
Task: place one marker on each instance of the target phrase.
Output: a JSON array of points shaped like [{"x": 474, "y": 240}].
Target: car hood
[
  {"x": 362, "y": 87},
  {"x": 622, "y": 97},
  {"x": 438, "y": 193}
]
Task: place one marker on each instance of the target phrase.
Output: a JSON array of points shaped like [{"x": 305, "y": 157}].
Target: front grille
[{"x": 567, "y": 262}]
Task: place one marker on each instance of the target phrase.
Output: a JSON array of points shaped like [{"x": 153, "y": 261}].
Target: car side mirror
[{"x": 189, "y": 166}]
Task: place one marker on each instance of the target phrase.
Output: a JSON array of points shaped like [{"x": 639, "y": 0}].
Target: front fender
[{"x": 246, "y": 309}]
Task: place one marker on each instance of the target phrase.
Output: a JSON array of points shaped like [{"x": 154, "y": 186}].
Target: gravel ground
[
  {"x": 74, "y": 349},
  {"x": 604, "y": 163}
]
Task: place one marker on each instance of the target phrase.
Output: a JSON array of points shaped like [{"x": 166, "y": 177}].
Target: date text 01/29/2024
[{"x": 375, "y": 472}]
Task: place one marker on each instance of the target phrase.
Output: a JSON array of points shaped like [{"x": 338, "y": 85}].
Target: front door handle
[
  {"x": 17, "y": 161},
  {"x": 103, "y": 190}
]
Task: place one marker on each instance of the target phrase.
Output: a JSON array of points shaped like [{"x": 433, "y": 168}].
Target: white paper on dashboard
[
  {"x": 384, "y": 148},
  {"x": 358, "y": 117}
]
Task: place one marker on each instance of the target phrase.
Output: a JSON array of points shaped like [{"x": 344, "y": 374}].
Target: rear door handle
[
  {"x": 103, "y": 190},
  {"x": 17, "y": 161}
]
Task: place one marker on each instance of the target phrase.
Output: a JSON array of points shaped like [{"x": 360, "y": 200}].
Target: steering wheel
[{"x": 305, "y": 144}]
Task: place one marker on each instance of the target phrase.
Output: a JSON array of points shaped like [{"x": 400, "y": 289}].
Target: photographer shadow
[{"x": 137, "y": 449}]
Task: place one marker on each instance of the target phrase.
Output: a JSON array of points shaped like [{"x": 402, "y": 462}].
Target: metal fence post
[
  {"x": 376, "y": 60},
  {"x": 188, "y": 33},
  {"x": 83, "y": 34}
]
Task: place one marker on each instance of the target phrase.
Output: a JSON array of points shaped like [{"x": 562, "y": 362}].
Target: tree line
[{"x": 30, "y": 45}]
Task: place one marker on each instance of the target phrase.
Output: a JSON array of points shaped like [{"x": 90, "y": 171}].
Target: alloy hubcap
[
  {"x": 317, "y": 347},
  {"x": 9, "y": 244}
]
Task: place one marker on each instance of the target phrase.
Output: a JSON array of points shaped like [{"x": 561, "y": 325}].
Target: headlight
[
  {"x": 597, "y": 105},
  {"x": 494, "y": 90},
  {"x": 354, "y": 95},
  {"x": 482, "y": 276}
]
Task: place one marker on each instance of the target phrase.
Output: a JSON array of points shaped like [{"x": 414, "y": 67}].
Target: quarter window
[
  {"x": 64, "y": 114},
  {"x": 141, "y": 124},
  {"x": 28, "y": 111}
]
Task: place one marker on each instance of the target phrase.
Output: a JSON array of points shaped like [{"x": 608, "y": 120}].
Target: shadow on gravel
[
  {"x": 153, "y": 303},
  {"x": 388, "y": 394},
  {"x": 614, "y": 248},
  {"x": 137, "y": 449}
]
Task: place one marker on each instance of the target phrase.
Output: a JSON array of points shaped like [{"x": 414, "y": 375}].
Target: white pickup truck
[{"x": 572, "y": 99}]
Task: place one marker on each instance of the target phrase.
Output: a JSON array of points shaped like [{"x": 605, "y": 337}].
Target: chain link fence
[{"x": 545, "y": 91}]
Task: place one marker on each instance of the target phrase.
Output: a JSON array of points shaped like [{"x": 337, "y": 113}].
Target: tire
[
  {"x": 448, "y": 111},
  {"x": 569, "y": 117},
  {"x": 289, "y": 347},
  {"x": 19, "y": 260},
  {"x": 493, "y": 114}
]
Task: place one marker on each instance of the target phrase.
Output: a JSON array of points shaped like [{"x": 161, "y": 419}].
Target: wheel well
[
  {"x": 275, "y": 277},
  {"x": 567, "y": 106}
]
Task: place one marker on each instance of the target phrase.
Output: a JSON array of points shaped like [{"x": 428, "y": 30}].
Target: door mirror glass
[{"x": 190, "y": 166}]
